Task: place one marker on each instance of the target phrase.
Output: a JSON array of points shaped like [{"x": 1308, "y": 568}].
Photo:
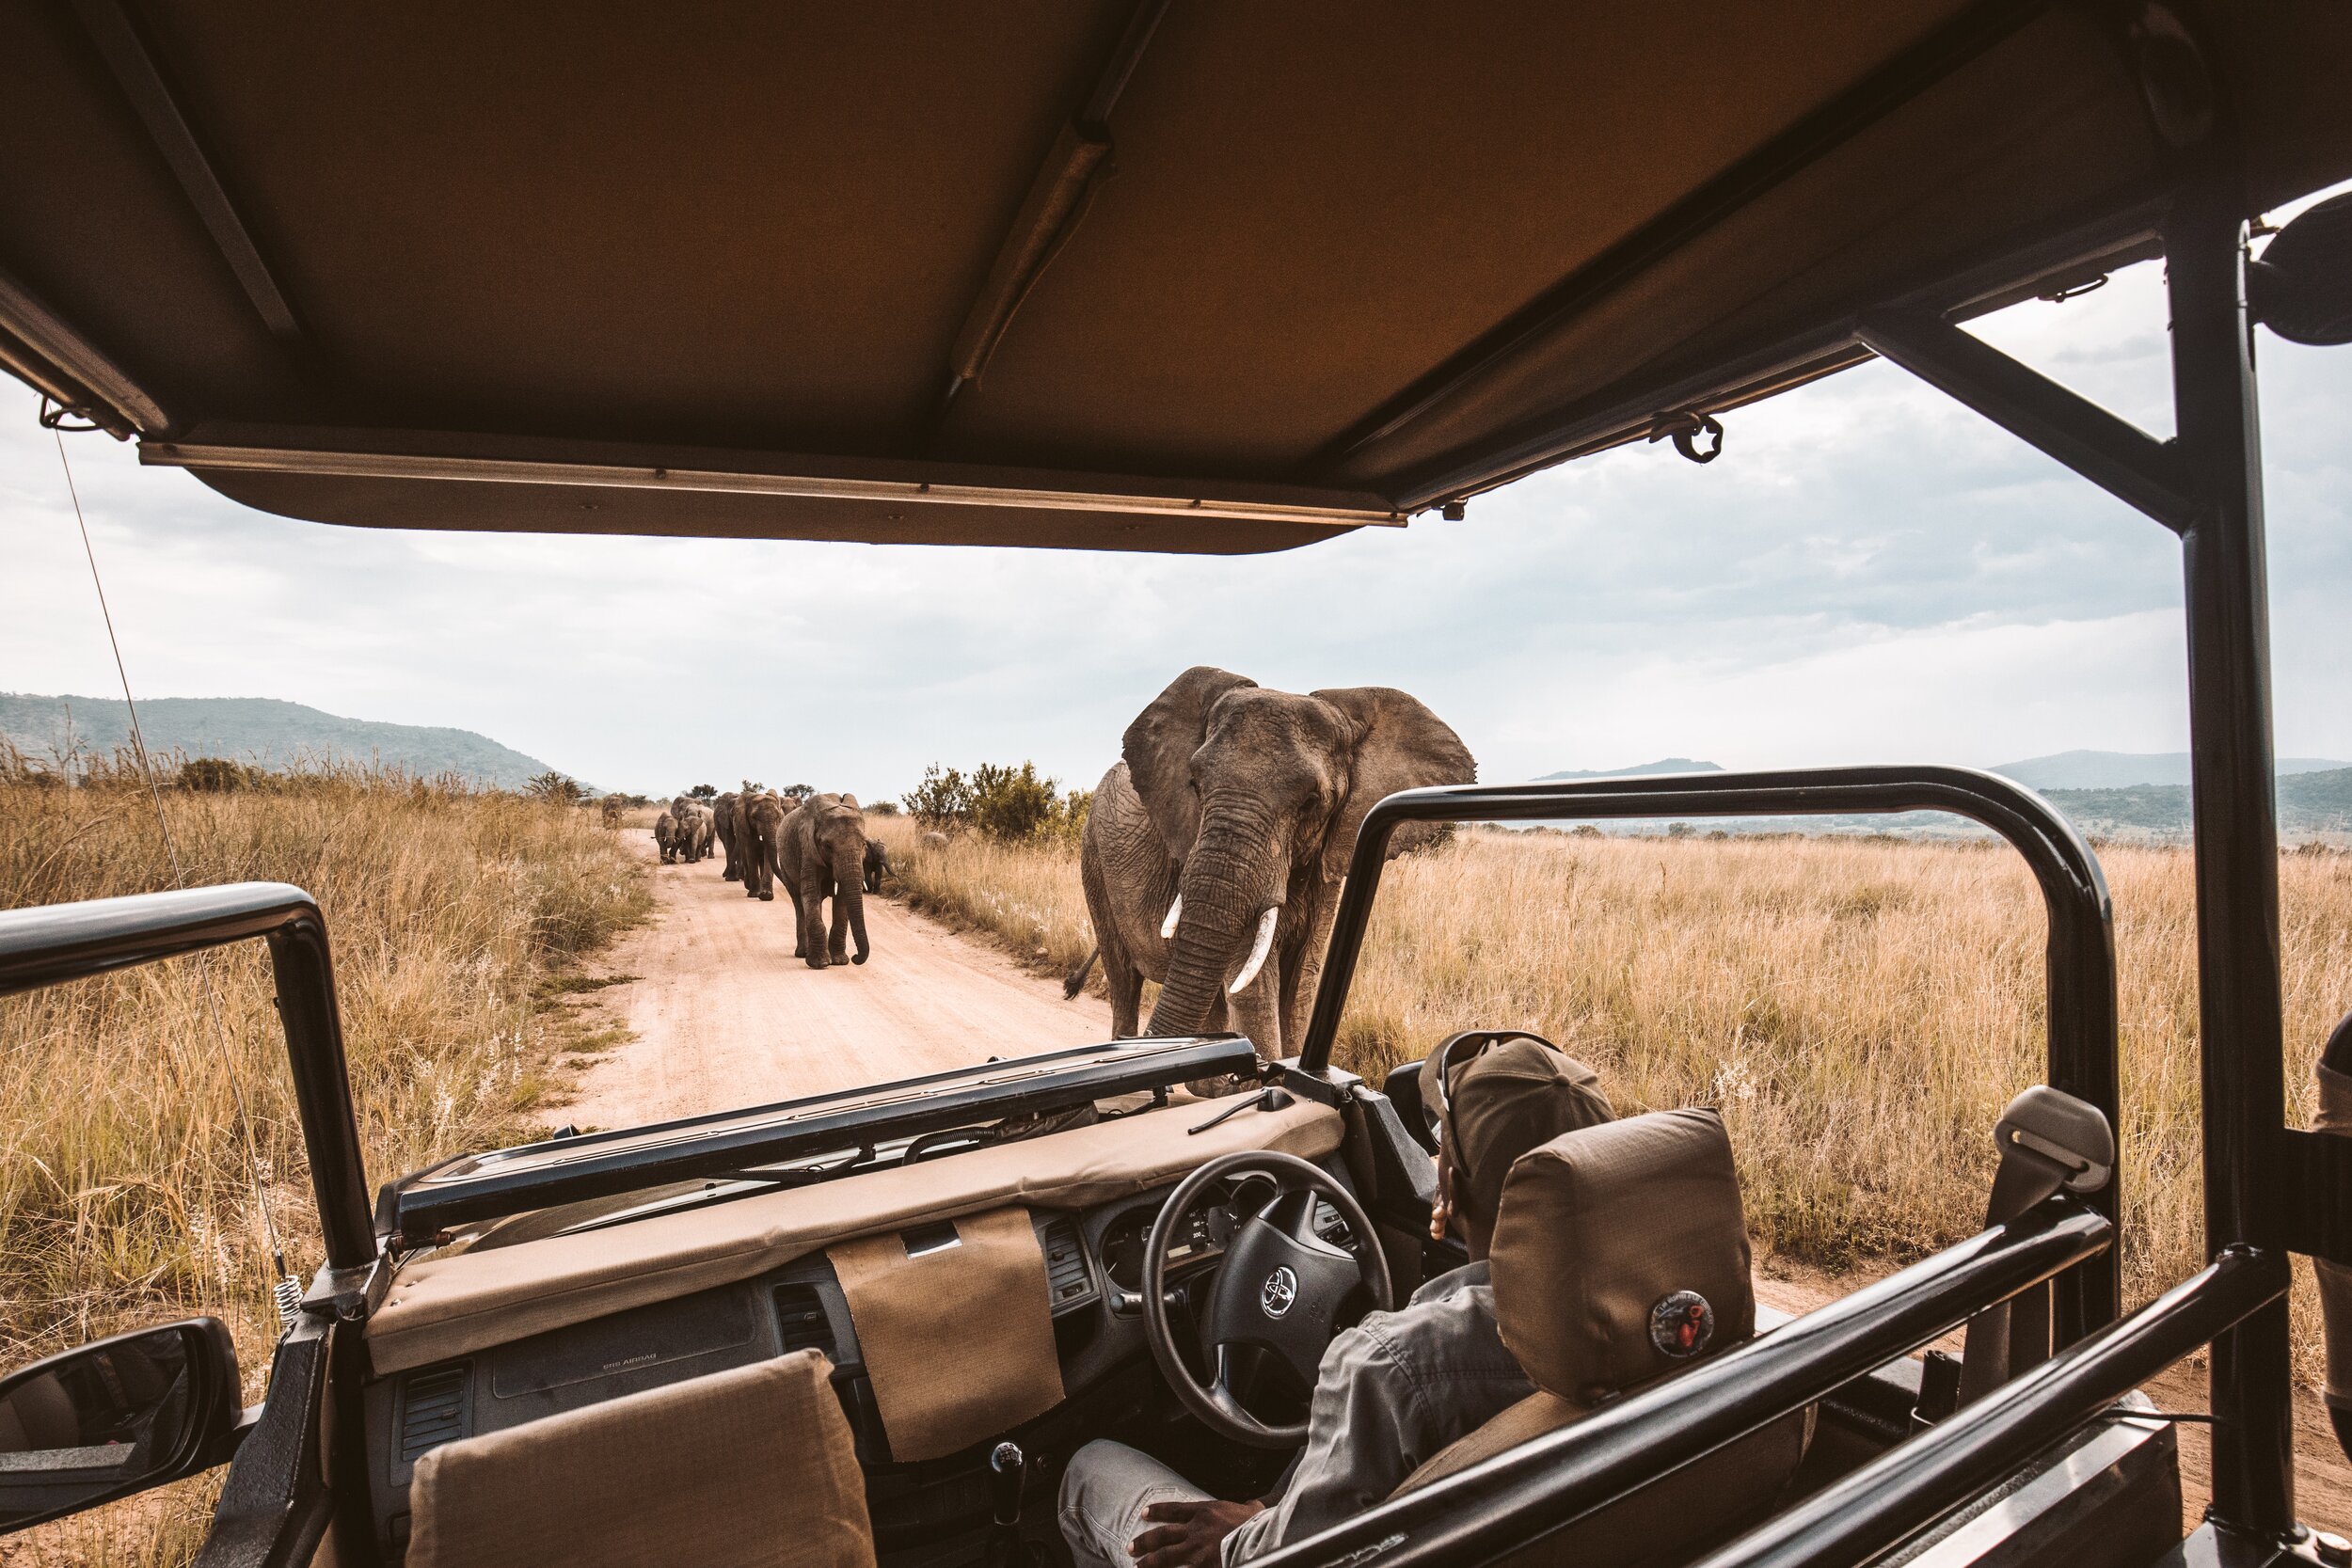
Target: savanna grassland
[
  {"x": 125, "y": 1194},
  {"x": 1860, "y": 1009}
]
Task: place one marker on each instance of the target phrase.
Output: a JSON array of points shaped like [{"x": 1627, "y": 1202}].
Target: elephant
[
  {"x": 877, "y": 865},
  {"x": 821, "y": 855},
  {"x": 665, "y": 836},
  {"x": 934, "y": 840},
  {"x": 1213, "y": 853},
  {"x": 759, "y": 832},
  {"x": 694, "y": 832},
  {"x": 723, "y": 824}
]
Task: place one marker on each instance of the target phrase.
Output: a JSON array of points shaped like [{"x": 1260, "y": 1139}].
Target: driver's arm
[{"x": 1390, "y": 1394}]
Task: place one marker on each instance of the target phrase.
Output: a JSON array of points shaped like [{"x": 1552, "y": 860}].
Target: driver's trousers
[{"x": 1104, "y": 1494}]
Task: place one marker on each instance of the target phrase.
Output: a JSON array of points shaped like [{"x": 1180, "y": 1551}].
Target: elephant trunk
[
  {"x": 848, "y": 897},
  {"x": 1229, "y": 900},
  {"x": 857, "y": 924}
]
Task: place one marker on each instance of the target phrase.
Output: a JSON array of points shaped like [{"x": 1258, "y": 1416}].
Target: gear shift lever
[{"x": 1008, "y": 1467}]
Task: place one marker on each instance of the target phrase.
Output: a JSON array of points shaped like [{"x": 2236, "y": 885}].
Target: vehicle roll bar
[
  {"x": 1856, "y": 1519},
  {"x": 49, "y": 945},
  {"x": 1490, "y": 1511},
  {"x": 2078, "y": 962}
]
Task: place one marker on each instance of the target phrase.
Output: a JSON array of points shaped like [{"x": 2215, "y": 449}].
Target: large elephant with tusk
[{"x": 1215, "y": 850}]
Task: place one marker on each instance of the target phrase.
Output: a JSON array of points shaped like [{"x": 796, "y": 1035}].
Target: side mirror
[
  {"x": 114, "y": 1417},
  {"x": 2301, "y": 289}
]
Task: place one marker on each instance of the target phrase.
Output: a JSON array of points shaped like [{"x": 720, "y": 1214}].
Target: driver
[{"x": 1397, "y": 1388}]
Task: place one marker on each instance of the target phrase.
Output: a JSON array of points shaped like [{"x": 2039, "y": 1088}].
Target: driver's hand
[{"x": 1188, "y": 1534}]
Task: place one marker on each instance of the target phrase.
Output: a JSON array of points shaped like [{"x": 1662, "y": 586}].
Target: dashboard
[{"x": 1094, "y": 1262}]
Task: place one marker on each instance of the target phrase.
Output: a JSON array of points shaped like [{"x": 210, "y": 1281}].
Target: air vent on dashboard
[
  {"x": 1067, "y": 1280},
  {"x": 801, "y": 1317},
  {"x": 432, "y": 1412}
]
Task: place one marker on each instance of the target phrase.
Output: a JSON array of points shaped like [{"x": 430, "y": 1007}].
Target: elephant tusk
[
  {"x": 1175, "y": 912},
  {"x": 1258, "y": 950}
]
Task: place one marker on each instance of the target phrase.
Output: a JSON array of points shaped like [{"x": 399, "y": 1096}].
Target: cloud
[{"x": 1869, "y": 573}]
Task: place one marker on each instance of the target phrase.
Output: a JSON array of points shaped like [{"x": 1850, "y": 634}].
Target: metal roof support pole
[
  {"x": 2112, "y": 453},
  {"x": 2237, "y": 832}
]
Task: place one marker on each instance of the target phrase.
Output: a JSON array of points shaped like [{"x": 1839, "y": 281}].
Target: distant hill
[
  {"x": 261, "y": 730},
  {"x": 2107, "y": 770},
  {"x": 1664, "y": 765},
  {"x": 2314, "y": 797},
  {"x": 2308, "y": 802}
]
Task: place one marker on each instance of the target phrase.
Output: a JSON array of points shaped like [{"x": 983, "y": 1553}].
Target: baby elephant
[
  {"x": 665, "y": 837},
  {"x": 877, "y": 865},
  {"x": 694, "y": 832}
]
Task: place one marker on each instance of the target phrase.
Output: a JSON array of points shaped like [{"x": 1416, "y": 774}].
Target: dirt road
[{"x": 724, "y": 1016}]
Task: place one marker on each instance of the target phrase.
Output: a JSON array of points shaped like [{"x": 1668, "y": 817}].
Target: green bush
[
  {"x": 1014, "y": 805},
  {"x": 220, "y": 776},
  {"x": 942, "y": 800},
  {"x": 559, "y": 788}
]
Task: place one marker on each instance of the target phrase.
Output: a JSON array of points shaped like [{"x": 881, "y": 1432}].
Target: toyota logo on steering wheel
[{"x": 1279, "y": 1291}]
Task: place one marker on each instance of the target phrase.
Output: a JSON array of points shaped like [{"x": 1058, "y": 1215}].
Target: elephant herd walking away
[
  {"x": 816, "y": 846},
  {"x": 1215, "y": 850}
]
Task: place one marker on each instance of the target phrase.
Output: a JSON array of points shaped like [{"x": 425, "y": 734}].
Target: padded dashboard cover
[
  {"x": 958, "y": 1339},
  {"x": 748, "y": 1468},
  {"x": 445, "y": 1306}
]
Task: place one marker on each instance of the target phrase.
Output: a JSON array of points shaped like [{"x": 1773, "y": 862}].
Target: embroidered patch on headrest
[{"x": 1681, "y": 1325}]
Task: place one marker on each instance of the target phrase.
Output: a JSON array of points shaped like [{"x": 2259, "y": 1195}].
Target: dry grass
[
  {"x": 124, "y": 1197},
  {"x": 1860, "y": 1009},
  {"x": 1025, "y": 895}
]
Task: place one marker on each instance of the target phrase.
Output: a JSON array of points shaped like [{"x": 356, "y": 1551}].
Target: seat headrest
[
  {"x": 1506, "y": 1099},
  {"x": 1621, "y": 1253}
]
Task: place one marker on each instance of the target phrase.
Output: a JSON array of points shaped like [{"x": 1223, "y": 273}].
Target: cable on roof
[{"x": 287, "y": 1290}]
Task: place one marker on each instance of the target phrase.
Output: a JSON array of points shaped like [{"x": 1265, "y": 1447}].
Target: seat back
[
  {"x": 748, "y": 1468},
  {"x": 1620, "y": 1257}
]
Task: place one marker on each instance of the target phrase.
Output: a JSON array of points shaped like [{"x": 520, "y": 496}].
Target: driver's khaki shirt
[{"x": 1391, "y": 1393}]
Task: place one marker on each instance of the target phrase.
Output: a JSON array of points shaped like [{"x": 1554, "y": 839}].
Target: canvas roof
[{"x": 1218, "y": 277}]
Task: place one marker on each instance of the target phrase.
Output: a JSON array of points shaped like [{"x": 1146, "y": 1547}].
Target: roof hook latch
[
  {"x": 65, "y": 417},
  {"x": 2076, "y": 291},
  {"x": 1685, "y": 428}
]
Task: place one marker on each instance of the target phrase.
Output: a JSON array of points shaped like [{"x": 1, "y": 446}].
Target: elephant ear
[
  {"x": 1158, "y": 747},
  {"x": 850, "y": 802},
  {"x": 1399, "y": 744}
]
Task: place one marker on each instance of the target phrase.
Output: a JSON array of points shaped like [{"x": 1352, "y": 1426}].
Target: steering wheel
[{"x": 1280, "y": 1288}]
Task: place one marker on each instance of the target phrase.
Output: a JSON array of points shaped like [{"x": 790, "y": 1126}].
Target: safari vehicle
[{"x": 1219, "y": 279}]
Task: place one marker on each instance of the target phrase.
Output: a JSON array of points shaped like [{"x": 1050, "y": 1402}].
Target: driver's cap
[{"x": 1515, "y": 1095}]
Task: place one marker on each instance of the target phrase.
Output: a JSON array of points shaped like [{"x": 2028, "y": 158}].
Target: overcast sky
[{"x": 1868, "y": 574}]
